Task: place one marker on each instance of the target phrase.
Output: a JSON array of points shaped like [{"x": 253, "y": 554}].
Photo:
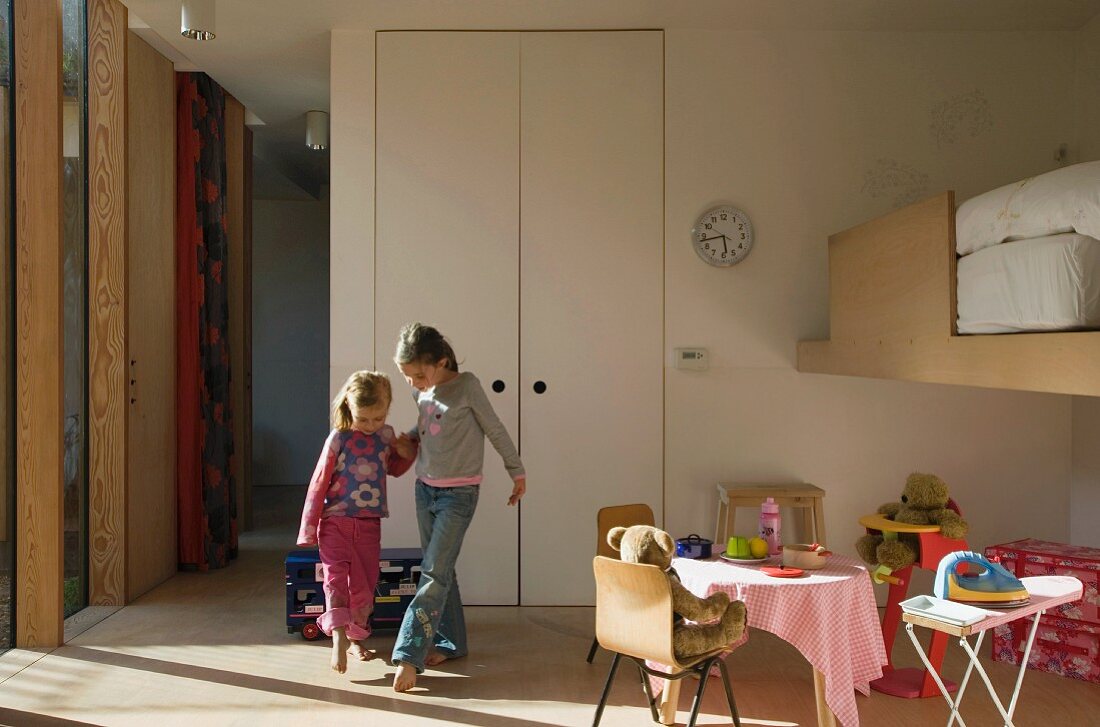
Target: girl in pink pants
[{"x": 344, "y": 505}]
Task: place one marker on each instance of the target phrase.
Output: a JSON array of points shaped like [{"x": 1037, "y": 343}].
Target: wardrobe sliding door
[
  {"x": 519, "y": 209},
  {"x": 591, "y": 290},
  {"x": 447, "y": 249}
]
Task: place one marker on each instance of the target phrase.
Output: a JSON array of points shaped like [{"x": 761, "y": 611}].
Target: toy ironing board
[
  {"x": 1045, "y": 592},
  {"x": 910, "y": 682}
]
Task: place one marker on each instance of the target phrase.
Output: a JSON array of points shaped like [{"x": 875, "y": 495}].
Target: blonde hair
[
  {"x": 423, "y": 344},
  {"x": 364, "y": 389}
]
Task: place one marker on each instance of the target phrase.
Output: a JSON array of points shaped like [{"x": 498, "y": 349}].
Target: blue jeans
[{"x": 434, "y": 617}]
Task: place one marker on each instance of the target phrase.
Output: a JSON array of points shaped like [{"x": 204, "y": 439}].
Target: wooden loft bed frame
[{"x": 892, "y": 314}]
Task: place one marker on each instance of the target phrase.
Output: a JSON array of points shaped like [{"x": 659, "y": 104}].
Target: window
[
  {"x": 7, "y": 359},
  {"x": 74, "y": 195}
]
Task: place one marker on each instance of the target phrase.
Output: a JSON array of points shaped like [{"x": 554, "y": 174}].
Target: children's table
[
  {"x": 829, "y": 615},
  {"x": 1045, "y": 592}
]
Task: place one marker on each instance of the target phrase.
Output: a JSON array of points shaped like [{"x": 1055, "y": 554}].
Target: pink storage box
[
  {"x": 1040, "y": 558},
  {"x": 1068, "y": 640},
  {"x": 1064, "y": 647}
]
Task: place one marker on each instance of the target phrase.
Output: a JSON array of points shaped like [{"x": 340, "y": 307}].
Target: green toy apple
[{"x": 738, "y": 547}]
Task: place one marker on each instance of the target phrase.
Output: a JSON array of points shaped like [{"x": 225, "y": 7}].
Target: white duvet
[
  {"x": 1064, "y": 200},
  {"x": 1043, "y": 284}
]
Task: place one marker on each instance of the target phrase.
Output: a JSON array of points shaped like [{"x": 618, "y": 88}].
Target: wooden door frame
[
  {"x": 39, "y": 603},
  {"x": 39, "y": 315},
  {"x": 108, "y": 346},
  {"x": 39, "y": 263}
]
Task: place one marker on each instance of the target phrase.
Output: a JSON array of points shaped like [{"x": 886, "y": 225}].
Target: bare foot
[
  {"x": 340, "y": 645},
  {"x": 405, "y": 678},
  {"x": 361, "y": 652},
  {"x": 435, "y": 658}
]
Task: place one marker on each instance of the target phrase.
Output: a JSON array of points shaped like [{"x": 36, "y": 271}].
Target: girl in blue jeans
[{"x": 454, "y": 418}]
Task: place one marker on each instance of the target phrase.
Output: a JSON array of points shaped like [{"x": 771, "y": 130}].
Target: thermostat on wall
[{"x": 694, "y": 359}]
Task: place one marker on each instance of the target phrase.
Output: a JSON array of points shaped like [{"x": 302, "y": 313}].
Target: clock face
[{"x": 722, "y": 236}]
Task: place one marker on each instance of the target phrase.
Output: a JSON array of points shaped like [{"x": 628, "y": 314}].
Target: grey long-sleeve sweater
[{"x": 454, "y": 419}]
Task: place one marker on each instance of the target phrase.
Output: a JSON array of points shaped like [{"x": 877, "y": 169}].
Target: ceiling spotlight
[
  {"x": 197, "y": 19},
  {"x": 317, "y": 130}
]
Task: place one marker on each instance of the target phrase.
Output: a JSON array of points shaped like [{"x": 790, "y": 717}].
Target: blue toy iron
[{"x": 992, "y": 587}]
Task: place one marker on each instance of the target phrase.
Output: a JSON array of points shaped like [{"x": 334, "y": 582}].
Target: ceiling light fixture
[
  {"x": 317, "y": 130},
  {"x": 197, "y": 19}
]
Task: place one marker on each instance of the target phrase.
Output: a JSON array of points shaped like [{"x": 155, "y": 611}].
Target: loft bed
[{"x": 893, "y": 313}]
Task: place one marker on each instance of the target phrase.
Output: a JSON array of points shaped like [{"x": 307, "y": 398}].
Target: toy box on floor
[
  {"x": 399, "y": 573},
  {"x": 1068, "y": 639}
]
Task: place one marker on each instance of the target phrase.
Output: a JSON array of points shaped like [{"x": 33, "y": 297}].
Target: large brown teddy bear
[
  {"x": 646, "y": 544},
  {"x": 923, "y": 502}
]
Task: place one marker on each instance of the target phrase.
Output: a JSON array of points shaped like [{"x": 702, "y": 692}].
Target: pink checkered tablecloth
[{"x": 829, "y": 615}]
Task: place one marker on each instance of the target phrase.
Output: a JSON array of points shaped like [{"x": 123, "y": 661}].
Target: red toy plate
[{"x": 781, "y": 571}]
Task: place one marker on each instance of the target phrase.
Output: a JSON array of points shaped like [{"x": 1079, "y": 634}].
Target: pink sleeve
[
  {"x": 315, "y": 495},
  {"x": 395, "y": 464}
]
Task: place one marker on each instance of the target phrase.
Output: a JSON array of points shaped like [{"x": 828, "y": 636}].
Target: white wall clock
[{"x": 722, "y": 236}]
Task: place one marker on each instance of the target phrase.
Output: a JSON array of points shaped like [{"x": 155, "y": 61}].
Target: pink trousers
[{"x": 349, "y": 549}]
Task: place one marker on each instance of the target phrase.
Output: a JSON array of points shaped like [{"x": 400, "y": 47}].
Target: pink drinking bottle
[{"x": 769, "y": 525}]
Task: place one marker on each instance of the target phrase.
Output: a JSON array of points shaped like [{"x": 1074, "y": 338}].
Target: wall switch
[{"x": 693, "y": 359}]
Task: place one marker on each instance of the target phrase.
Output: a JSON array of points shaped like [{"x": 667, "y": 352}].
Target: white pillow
[
  {"x": 1042, "y": 284},
  {"x": 1064, "y": 200}
]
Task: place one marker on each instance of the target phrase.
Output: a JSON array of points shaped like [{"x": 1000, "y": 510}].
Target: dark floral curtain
[{"x": 204, "y": 483}]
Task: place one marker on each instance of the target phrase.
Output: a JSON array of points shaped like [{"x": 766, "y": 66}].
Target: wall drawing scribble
[
  {"x": 965, "y": 116},
  {"x": 891, "y": 178}
]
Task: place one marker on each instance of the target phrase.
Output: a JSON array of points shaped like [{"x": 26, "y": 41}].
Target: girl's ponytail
[{"x": 341, "y": 413}]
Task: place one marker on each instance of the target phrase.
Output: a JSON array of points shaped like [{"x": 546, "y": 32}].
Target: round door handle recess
[
  {"x": 539, "y": 387},
  {"x": 498, "y": 386}
]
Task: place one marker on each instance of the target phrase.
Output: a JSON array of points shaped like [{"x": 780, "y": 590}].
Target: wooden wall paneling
[
  {"x": 1057, "y": 363},
  {"x": 234, "y": 173},
  {"x": 890, "y": 278},
  {"x": 892, "y": 310},
  {"x": 1060, "y": 363},
  {"x": 151, "y": 289},
  {"x": 39, "y": 320},
  {"x": 247, "y": 331},
  {"x": 107, "y": 366},
  {"x": 7, "y": 483}
]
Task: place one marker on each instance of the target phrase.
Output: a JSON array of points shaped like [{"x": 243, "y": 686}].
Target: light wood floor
[{"x": 211, "y": 649}]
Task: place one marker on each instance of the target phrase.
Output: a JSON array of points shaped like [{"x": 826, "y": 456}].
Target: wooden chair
[
  {"x": 616, "y": 516},
  {"x": 634, "y": 619}
]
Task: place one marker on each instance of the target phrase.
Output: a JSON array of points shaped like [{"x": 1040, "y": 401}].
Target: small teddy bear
[
  {"x": 647, "y": 544},
  {"x": 923, "y": 502}
]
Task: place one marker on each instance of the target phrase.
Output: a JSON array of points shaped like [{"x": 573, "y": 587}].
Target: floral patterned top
[{"x": 350, "y": 479}]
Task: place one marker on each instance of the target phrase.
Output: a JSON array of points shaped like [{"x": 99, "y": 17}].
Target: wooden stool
[{"x": 732, "y": 495}]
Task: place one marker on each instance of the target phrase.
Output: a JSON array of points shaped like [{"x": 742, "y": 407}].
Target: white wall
[
  {"x": 811, "y": 133},
  {"x": 1085, "y": 483},
  {"x": 1088, "y": 90},
  {"x": 351, "y": 171},
  {"x": 290, "y": 338}
]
